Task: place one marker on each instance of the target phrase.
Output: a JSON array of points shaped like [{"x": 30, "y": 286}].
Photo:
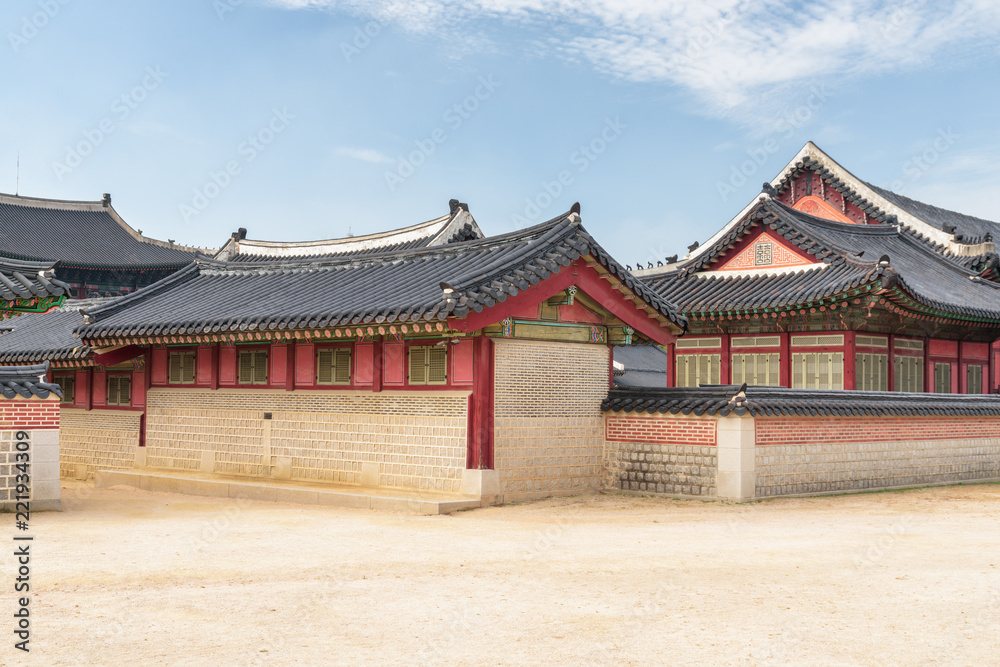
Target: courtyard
[{"x": 123, "y": 576}]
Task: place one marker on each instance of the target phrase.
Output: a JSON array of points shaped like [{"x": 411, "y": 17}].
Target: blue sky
[{"x": 304, "y": 119}]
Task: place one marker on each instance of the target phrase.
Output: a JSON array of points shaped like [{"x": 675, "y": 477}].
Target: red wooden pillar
[
  {"x": 928, "y": 367},
  {"x": 850, "y": 361},
  {"x": 480, "y": 430},
  {"x": 377, "y": 366},
  {"x": 90, "y": 389},
  {"x": 290, "y": 368},
  {"x": 785, "y": 359},
  {"x": 992, "y": 364},
  {"x": 891, "y": 368},
  {"x": 671, "y": 365},
  {"x": 725, "y": 362},
  {"x": 963, "y": 377}
]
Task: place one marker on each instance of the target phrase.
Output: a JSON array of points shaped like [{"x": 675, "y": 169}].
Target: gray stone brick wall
[
  {"x": 829, "y": 467},
  {"x": 661, "y": 468}
]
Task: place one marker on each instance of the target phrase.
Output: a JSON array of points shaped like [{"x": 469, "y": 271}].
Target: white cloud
[
  {"x": 364, "y": 154},
  {"x": 732, "y": 54}
]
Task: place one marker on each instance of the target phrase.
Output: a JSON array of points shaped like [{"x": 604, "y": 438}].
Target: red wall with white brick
[
  {"x": 33, "y": 414},
  {"x": 668, "y": 430},
  {"x": 808, "y": 430}
]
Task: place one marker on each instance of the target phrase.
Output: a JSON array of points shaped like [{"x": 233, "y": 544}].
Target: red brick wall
[
  {"x": 808, "y": 430},
  {"x": 659, "y": 429},
  {"x": 29, "y": 414}
]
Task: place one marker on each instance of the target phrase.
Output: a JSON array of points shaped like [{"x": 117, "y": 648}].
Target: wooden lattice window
[
  {"x": 333, "y": 366},
  {"x": 68, "y": 385},
  {"x": 120, "y": 389},
  {"x": 942, "y": 378},
  {"x": 871, "y": 371},
  {"x": 757, "y": 369},
  {"x": 818, "y": 370},
  {"x": 428, "y": 364},
  {"x": 909, "y": 374},
  {"x": 694, "y": 370},
  {"x": 253, "y": 367},
  {"x": 181, "y": 367},
  {"x": 974, "y": 379}
]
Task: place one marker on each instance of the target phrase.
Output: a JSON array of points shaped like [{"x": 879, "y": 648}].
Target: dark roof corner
[
  {"x": 454, "y": 206},
  {"x": 575, "y": 208},
  {"x": 106, "y": 200}
]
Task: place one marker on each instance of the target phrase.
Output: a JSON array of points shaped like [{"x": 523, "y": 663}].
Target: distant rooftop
[
  {"x": 88, "y": 234},
  {"x": 457, "y": 225}
]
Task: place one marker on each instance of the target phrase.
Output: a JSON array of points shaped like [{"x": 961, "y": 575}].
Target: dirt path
[{"x": 127, "y": 577}]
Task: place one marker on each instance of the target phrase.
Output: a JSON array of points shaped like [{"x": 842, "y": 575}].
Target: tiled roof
[
  {"x": 27, "y": 381},
  {"x": 37, "y": 337},
  {"x": 457, "y": 226},
  {"x": 851, "y": 256},
  {"x": 724, "y": 400},
  {"x": 436, "y": 283},
  {"x": 967, "y": 228},
  {"x": 21, "y": 279},
  {"x": 87, "y": 234},
  {"x": 642, "y": 366}
]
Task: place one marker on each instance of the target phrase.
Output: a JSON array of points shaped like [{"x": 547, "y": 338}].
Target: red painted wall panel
[
  {"x": 160, "y": 368},
  {"x": 138, "y": 389},
  {"x": 461, "y": 362},
  {"x": 305, "y": 360},
  {"x": 943, "y": 348},
  {"x": 100, "y": 387},
  {"x": 393, "y": 355},
  {"x": 227, "y": 365},
  {"x": 81, "y": 389},
  {"x": 975, "y": 351},
  {"x": 204, "y": 366},
  {"x": 577, "y": 313},
  {"x": 279, "y": 363},
  {"x": 364, "y": 360}
]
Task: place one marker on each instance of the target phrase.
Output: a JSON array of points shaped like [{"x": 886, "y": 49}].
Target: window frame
[
  {"x": 118, "y": 376},
  {"x": 982, "y": 371},
  {"x": 68, "y": 398},
  {"x": 447, "y": 360},
  {"x": 817, "y": 352},
  {"x": 859, "y": 364},
  {"x": 335, "y": 347},
  {"x": 714, "y": 367},
  {"x": 755, "y": 355},
  {"x": 253, "y": 349},
  {"x": 171, "y": 351}
]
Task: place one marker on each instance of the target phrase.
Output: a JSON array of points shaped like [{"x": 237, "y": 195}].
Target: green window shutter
[
  {"x": 437, "y": 365},
  {"x": 246, "y": 368},
  {"x": 324, "y": 367},
  {"x": 187, "y": 367},
  {"x": 125, "y": 390},
  {"x": 418, "y": 365},
  {"x": 260, "y": 367},
  {"x": 176, "y": 364},
  {"x": 341, "y": 362},
  {"x": 112, "y": 398}
]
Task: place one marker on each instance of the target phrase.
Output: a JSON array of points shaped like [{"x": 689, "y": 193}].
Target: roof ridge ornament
[{"x": 769, "y": 189}]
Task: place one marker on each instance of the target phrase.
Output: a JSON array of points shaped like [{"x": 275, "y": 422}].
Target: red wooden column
[
  {"x": 928, "y": 367},
  {"x": 785, "y": 359},
  {"x": 671, "y": 365},
  {"x": 850, "y": 361},
  {"x": 480, "y": 430},
  {"x": 377, "y": 366},
  {"x": 963, "y": 376},
  {"x": 891, "y": 368},
  {"x": 725, "y": 362},
  {"x": 992, "y": 363}
]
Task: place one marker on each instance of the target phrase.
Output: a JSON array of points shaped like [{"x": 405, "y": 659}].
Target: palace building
[
  {"x": 827, "y": 282},
  {"x": 95, "y": 251}
]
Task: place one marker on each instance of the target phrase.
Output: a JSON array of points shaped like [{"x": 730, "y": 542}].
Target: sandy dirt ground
[{"x": 126, "y": 577}]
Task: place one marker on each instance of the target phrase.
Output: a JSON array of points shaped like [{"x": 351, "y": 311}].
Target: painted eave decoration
[
  {"x": 455, "y": 288},
  {"x": 28, "y": 287},
  {"x": 883, "y": 265}
]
